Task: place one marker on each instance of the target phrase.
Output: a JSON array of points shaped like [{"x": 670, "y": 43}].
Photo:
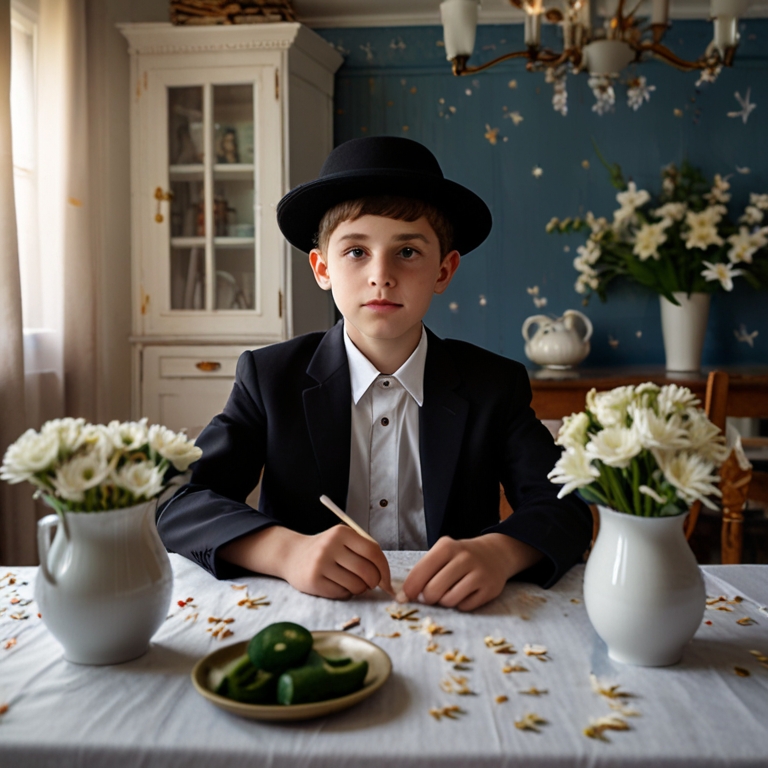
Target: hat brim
[{"x": 299, "y": 213}]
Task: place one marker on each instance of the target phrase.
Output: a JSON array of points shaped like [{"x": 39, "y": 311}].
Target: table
[
  {"x": 560, "y": 393},
  {"x": 146, "y": 712}
]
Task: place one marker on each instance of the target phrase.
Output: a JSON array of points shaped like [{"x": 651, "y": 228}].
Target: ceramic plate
[{"x": 325, "y": 643}]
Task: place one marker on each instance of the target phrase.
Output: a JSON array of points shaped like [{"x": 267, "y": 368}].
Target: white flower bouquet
[
  {"x": 681, "y": 242},
  {"x": 80, "y": 467},
  {"x": 644, "y": 450}
]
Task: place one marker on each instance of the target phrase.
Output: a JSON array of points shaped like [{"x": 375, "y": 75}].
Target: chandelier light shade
[{"x": 600, "y": 46}]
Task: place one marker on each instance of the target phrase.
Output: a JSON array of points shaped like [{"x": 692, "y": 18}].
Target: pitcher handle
[
  {"x": 584, "y": 319},
  {"x": 44, "y": 543},
  {"x": 531, "y": 321}
]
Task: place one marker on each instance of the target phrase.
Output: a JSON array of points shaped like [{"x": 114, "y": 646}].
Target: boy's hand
[
  {"x": 467, "y": 573},
  {"x": 336, "y": 563}
]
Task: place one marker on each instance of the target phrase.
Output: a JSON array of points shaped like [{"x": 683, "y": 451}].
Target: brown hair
[{"x": 393, "y": 207}]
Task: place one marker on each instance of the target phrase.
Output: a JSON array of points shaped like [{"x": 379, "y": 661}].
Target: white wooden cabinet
[{"x": 224, "y": 121}]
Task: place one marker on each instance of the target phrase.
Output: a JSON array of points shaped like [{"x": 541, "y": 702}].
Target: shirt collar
[{"x": 362, "y": 372}]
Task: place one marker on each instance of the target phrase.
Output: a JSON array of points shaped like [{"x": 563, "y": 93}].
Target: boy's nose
[{"x": 381, "y": 274}]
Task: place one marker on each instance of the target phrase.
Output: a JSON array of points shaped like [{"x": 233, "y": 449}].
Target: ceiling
[{"x": 399, "y": 13}]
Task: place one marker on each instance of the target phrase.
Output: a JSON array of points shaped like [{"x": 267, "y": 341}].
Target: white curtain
[{"x": 49, "y": 370}]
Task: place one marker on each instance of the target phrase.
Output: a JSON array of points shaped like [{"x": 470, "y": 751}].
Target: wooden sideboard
[{"x": 559, "y": 393}]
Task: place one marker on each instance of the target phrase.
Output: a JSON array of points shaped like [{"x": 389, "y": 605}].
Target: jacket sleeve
[
  {"x": 210, "y": 511},
  {"x": 560, "y": 528}
]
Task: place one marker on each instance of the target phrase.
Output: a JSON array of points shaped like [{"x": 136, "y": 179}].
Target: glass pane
[
  {"x": 185, "y": 126},
  {"x": 235, "y": 277},
  {"x": 233, "y": 123},
  {"x": 187, "y": 209},
  {"x": 233, "y": 208},
  {"x": 188, "y": 278}
]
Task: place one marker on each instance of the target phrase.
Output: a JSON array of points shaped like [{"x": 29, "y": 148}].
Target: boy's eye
[
  {"x": 407, "y": 252},
  {"x": 356, "y": 252}
]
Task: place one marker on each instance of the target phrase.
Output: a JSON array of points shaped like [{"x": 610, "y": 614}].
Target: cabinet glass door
[{"x": 213, "y": 194}]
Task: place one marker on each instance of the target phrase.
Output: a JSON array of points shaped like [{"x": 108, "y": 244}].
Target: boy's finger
[
  {"x": 423, "y": 572},
  {"x": 372, "y": 552}
]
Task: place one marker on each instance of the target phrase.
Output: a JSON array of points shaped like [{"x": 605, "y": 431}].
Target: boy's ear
[
  {"x": 448, "y": 267},
  {"x": 319, "y": 269}
]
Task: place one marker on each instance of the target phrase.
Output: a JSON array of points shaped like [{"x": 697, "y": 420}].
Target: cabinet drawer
[{"x": 206, "y": 366}]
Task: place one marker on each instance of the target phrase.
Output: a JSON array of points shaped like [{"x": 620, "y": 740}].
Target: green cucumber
[
  {"x": 249, "y": 684},
  {"x": 280, "y": 646},
  {"x": 317, "y": 682}
]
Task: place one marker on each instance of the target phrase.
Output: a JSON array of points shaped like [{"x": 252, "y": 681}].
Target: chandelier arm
[
  {"x": 662, "y": 52},
  {"x": 460, "y": 62}
]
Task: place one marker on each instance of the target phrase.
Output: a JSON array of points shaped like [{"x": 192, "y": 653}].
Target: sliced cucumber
[
  {"x": 250, "y": 684},
  {"x": 317, "y": 682}
]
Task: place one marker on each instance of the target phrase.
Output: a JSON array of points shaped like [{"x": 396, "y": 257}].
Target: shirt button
[
  {"x": 383, "y": 503},
  {"x": 385, "y": 383},
  {"x": 384, "y": 421}
]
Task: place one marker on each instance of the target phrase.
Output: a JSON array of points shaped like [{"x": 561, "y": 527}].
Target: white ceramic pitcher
[
  {"x": 559, "y": 342},
  {"x": 104, "y": 584}
]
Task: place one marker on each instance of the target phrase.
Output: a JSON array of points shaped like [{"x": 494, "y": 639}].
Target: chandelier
[{"x": 600, "y": 45}]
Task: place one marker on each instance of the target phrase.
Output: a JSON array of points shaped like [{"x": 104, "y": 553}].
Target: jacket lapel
[
  {"x": 441, "y": 429},
  {"x": 328, "y": 413}
]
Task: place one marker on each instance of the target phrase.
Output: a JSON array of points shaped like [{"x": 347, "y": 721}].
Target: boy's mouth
[{"x": 382, "y": 305}]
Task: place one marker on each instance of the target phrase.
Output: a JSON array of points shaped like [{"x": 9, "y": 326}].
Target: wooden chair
[{"x": 734, "y": 478}]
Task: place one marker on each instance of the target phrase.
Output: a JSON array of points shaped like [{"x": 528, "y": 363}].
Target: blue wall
[{"x": 396, "y": 81}]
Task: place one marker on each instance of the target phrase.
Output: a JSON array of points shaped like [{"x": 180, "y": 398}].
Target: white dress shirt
[{"x": 385, "y": 495}]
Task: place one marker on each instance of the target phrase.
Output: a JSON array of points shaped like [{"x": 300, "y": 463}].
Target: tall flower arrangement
[
  {"x": 81, "y": 467},
  {"x": 644, "y": 450},
  {"x": 680, "y": 241}
]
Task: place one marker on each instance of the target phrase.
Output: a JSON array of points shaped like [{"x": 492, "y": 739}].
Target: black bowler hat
[{"x": 382, "y": 165}]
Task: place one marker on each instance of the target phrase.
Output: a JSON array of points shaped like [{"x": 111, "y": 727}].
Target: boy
[{"x": 411, "y": 434}]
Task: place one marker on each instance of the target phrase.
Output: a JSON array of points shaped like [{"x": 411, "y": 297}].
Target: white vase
[
  {"x": 643, "y": 589},
  {"x": 104, "y": 584},
  {"x": 684, "y": 328}
]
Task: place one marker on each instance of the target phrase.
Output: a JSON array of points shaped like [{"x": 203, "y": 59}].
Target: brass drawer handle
[{"x": 208, "y": 366}]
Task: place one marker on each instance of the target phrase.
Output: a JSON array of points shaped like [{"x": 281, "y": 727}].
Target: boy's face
[{"x": 383, "y": 274}]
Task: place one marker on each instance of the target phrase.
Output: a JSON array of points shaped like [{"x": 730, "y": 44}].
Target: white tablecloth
[{"x": 146, "y": 712}]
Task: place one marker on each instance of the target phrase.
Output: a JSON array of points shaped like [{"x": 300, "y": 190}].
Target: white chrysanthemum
[
  {"x": 752, "y": 216},
  {"x": 633, "y": 198},
  {"x": 759, "y": 201},
  {"x": 173, "y": 446},
  {"x": 614, "y": 446},
  {"x": 143, "y": 479},
  {"x": 719, "y": 192},
  {"x": 673, "y": 398},
  {"x": 573, "y": 470},
  {"x": 744, "y": 245},
  {"x": 673, "y": 211},
  {"x": 129, "y": 435},
  {"x": 80, "y": 474},
  {"x": 96, "y": 438},
  {"x": 610, "y": 408},
  {"x": 722, "y": 272},
  {"x": 590, "y": 251},
  {"x": 692, "y": 477},
  {"x": 656, "y": 431},
  {"x": 33, "y": 452},
  {"x": 573, "y": 432},
  {"x": 68, "y": 432},
  {"x": 648, "y": 239},
  {"x": 701, "y": 233},
  {"x": 648, "y": 491},
  {"x": 585, "y": 281},
  {"x": 596, "y": 225},
  {"x": 706, "y": 439}
]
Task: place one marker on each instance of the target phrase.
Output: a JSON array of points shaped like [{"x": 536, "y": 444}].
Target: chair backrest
[{"x": 734, "y": 478}]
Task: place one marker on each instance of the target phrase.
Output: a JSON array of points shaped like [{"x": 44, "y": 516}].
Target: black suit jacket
[{"x": 290, "y": 413}]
